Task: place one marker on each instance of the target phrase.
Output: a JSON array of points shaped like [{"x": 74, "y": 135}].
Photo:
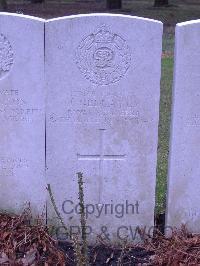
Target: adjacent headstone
[
  {"x": 103, "y": 85},
  {"x": 22, "y": 119},
  {"x": 184, "y": 168}
]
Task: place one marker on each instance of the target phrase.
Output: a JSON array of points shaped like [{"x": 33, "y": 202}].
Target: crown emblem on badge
[{"x": 104, "y": 35}]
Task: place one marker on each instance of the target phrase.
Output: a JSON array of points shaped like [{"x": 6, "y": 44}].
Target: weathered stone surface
[
  {"x": 184, "y": 167},
  {"x": 103, "y": 78},
  {"x": 22, "y": 119}
]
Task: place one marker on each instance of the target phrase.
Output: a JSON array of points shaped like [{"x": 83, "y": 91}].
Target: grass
[{"x": 164, "y": 130}]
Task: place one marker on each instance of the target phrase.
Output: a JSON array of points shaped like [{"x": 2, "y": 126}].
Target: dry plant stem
[
  {"x": 55, "y": 208},
  {"x": 83, "y": 219},
  {"x": 78, "y": 251},
  {"x": 80, "y": 259}
]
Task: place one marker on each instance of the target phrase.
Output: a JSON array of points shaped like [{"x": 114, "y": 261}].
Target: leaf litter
[{"x": 23, "y": 243}]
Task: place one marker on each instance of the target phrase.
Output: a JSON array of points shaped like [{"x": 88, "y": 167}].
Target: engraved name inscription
[
  {"x": 6, "y": 56},
  {"x": 88, "y": 107},
  {"x": 103, "y": 57},
  {"x": 14, "y": 108},
  {"x": 191, "y": 213},
  {"x": 8, "y": 165},
  {"x": 94, "y": 116},
  {"x": 193, "y": 121}
]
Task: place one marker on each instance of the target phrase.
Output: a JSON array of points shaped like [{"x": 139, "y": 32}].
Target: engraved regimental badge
[
  {"x": 6, "y": 56},
  {"x": 103, "y": 57}
]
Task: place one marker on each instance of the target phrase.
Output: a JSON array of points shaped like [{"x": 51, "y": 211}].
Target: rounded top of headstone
[
  {"x": 103, "y": 56},
  {"x": 188, "y": 23},
  {"x": 6, "y": 56},
  {"x": 105, "y": 15},
  {"x": 21, "y": 16}
]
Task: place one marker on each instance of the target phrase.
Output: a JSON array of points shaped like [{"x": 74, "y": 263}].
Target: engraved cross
[{"x": 101, "y": 157}]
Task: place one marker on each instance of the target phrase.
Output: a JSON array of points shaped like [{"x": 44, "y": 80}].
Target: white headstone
[
  {"x": 184, "y": 167},
  {"x": 22, "y": 126},
  {"x": 103, "y": 78}
]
